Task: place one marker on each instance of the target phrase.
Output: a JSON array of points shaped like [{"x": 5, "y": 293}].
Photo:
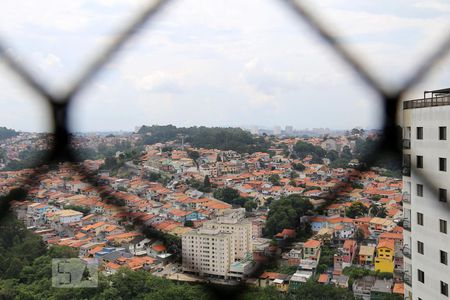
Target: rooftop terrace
[{"x": 439, "y": 97}]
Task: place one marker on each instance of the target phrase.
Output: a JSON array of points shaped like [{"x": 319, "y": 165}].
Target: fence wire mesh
[{"x": 61, "y": 149}]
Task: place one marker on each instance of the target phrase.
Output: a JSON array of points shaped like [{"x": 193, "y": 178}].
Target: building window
[
  {"x": 421, "y": 276},
  {"x": 444, "y": 257},
  {"x": 442, "y": 226},
  {"x": 419, "y": 190},
  {"x": 419, "y": 162},
  {"x": 419, "y": 247},
  {"x": 442, "y": 133},
  {"x": 419, "y": 133},
  {"x": 444, "y": 288},
  {"x": 442, "y": 164},
  {"x": 443, "y": 195},
  {"x": 420, "y": 218}
]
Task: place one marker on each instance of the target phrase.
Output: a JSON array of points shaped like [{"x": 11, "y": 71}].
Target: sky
[{"x": 216, "y": 62}]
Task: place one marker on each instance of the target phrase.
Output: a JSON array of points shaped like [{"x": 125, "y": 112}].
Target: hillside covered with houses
[{"x": 275, "y": 213}]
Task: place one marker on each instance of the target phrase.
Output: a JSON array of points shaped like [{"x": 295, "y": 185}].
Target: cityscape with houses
[
  {"x": 222, "y": 206},
  {"x": 224, "y": 150}
]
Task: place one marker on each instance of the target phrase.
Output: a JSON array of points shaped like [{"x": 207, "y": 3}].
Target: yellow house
[{"x": 384, "y": 261}]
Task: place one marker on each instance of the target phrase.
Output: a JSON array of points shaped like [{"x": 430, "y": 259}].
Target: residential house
[
  {"x": 384, "y": 261},
  {"x": 366, "y": 255}
]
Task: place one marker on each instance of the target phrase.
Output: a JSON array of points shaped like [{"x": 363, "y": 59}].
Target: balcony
[
  {"x": 407, "y": 279},
  {"x": 407, "y": 251},
  {"x": 406, "y": 198},
  {"x": 406, "y": 144},
  {"x": 407, "y": 224},
  {"x": 427, "y": 102},
  {"x": 406, "y": 171}
]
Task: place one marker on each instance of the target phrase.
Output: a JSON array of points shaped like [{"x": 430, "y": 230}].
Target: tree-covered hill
[
  {"x": 223, "y": 138},
  {"x": 6, "y": 133}
]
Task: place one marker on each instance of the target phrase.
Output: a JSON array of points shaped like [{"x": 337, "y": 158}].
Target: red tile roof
[
  {"x": 312, "y": 244},
  {"x": 323, "y": 278}
]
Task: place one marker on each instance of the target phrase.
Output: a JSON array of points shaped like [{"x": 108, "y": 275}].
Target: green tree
[
  {"x": 62, "y": 252},
  {"x": 189, "y": 223},
  {"x": 312, "y": 291},
  {"x": 194, "y": 155},
  {"x": 359, "y": 235},
  {"x": 202, "y": 137},
  {"x": 6, "y": 133},
  {"x": 298, "y": 167},
  {"x": 226, "y": 194},
  {"x": 274, "y": 179},
  {"x": 327, "y": 255},
  {"x": 356, "y": 209},
  {"x": 29, "y": 158},
  {"x": 18, "y": 247},
  {"x": 302, "y": 149},
  {"x": 265, "y": 293},
  {"x": 250, "y": 205},
  {"x": 286, "y": 213},
  {"x": 206, "y": 182},
  {"x": 332, "y": 155},
  {"x": 378, "y": 211}
]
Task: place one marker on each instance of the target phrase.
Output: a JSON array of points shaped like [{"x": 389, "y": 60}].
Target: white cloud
[
  {"x": 265, "y": 80},
  {"x": 160, "y": 82},
  {"x": 219, "y": 62},
  {"x": 68, "y": 16},
  {"x": 439, "y": 6}
]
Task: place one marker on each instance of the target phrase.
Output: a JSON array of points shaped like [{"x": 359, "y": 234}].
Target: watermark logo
[{"x": 74, "y": 273}]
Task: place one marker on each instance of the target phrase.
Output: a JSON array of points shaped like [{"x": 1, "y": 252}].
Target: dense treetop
[
  {"x": 222, "y": 138},
  {"x": 286, "y": 213},
  {"x": 6, "y": 133}
]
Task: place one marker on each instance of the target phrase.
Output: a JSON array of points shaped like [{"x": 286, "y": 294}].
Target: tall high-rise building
[
  {"x": 222, "y": 247},
  {"x": 289, "y": 130},
  {"x": 233, "y": 221},
  {"x": 207, "y": 252},
  {"x": 426, "y": 182},
  {"x": 277, "y": 130}
]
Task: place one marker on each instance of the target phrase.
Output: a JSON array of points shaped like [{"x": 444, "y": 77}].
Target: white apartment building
[
  {"x": 425, "y": 199},
  {"x": 233, "y": 221},
  {"x": 207, "y": 252},
  {"x": 214, "y": 248}
]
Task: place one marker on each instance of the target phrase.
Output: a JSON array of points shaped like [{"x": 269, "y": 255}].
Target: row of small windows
[
  {"x": 442, "y": 163},
  {"x": 444, "y": 285},
  {"x": 442, "y": 193},
  {"x": 442, "y": 223},
  {"x": 442, "y": 133}
]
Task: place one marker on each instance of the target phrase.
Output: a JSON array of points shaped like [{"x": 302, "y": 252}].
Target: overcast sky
[{"x": 216, "y": 62}]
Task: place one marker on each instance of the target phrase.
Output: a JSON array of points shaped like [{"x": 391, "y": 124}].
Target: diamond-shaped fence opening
[{"x": 61, "y": 150}]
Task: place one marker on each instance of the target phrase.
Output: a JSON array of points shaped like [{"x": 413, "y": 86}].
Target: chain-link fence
[{"x": 62, "y": 151}]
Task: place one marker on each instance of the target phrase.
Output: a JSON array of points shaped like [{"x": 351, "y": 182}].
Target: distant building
[
  {"x": 289, "y": 130},
  {"x": 277, "y": 130}
]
